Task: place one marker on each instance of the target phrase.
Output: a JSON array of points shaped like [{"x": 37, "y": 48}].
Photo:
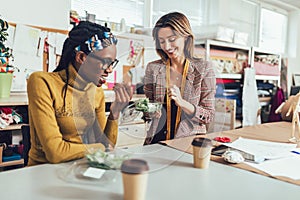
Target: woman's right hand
[{"x": 123, "y": 94}]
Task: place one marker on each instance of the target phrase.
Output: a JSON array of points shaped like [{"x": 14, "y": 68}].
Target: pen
[{"x": 296, "y": 152}]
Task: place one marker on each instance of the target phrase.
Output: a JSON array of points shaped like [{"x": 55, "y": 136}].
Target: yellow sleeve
[
  {"x": 109, "y": 127},
  {"x": 44, "y": 124}
]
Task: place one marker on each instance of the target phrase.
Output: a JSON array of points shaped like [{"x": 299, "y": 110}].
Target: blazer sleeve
[
  {"x": 205, "y": 110},
  {"x": 149, "y": 84}
]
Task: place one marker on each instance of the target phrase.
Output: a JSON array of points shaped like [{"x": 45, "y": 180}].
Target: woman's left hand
[
  {"x": 174, "y": 93},
  {"x": 123, "y": 94}
]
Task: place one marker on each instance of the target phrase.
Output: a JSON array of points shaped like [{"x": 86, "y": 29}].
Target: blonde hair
[{"x": 180, "y": 25}]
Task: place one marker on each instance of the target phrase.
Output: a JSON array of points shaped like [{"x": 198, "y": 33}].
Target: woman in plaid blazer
[{"x": 183, "y": 83}]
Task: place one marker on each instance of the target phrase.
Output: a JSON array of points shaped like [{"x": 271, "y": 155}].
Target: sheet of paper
[
  {"x": 51, "y": 59},
  {"x": 41, "y": 46},
  {"x": 265, "y": 149},
  {"x": 287, "y": 167},
  {"x": 26, "y": 39},
  {"x": 60, "y": 38},
  {"x": 25, "y": 51},
  {"x": 94, "y": 172}
]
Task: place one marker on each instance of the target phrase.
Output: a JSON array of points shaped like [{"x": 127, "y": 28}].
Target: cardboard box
[
  {"x": 216, "y": 32},
  {"x": 225, "y": 34}
]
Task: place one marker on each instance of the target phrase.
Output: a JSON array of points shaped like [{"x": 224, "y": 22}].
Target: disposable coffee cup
[
  {"x": 201, "y": 151},
  {"x": 135, "y": 177}
]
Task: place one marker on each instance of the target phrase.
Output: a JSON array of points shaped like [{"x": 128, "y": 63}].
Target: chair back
[{"x": 26, "y": 142}]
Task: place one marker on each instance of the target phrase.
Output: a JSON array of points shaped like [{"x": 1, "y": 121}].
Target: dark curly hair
[{"x": 78, "y": 37}]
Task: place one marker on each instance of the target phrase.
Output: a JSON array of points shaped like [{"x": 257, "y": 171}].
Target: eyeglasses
[{"x": 106, "y": 62}]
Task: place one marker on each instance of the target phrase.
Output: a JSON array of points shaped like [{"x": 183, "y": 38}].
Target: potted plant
[{"x": 6, "y": 69}]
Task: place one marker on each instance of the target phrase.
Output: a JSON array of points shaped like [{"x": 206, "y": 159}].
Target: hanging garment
[
  {"x": 250, "y": 100},
  {"x": 277, "y": 100}
]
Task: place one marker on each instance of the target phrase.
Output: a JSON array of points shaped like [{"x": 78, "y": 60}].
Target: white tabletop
[{"x": 171, "y": 176}]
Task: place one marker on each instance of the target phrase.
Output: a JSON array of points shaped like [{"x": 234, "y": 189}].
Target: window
[
  {"x": 273, "y": 30},
  {"x": 195, "y": 10},
  {"x": 244, "y": 18},
  {"x": 111, "y": 10}
]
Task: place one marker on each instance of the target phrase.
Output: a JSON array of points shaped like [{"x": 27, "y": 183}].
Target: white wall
[
  {"x": 293, "y": 45},
  {"x": 55, "y": 14},
  {"x": 49, "y": 14}
]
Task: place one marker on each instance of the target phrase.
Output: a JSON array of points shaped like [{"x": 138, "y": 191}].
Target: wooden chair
[
  {"x": 26, "y": 142},
  {"x": 224, "y": 115}
]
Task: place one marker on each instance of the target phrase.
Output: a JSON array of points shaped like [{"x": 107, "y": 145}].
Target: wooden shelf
[
  {"x": 110, "y": 96},
  {"x": 264, "y": 99},
  {"x": 12, "y": 127},
  {"x": 229, "y": 76},
  {"x": 222, "y": 44},
  {"x": 11, "y": 163},
  {"x": 15, "y": 99},
  {"x": 267, "y": 77}
]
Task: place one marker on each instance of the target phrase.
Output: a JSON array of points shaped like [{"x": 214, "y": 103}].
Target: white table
[{"x": 172, "y": 176}]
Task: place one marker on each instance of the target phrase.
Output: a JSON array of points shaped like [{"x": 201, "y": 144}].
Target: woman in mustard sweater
[{"x": 67, "y": 106}]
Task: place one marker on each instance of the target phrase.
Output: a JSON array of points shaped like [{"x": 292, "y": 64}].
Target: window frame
[{"x": 259, "y": 33}]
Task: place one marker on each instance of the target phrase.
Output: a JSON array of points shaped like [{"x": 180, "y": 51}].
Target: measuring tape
[{"x": 183, "y": 80}]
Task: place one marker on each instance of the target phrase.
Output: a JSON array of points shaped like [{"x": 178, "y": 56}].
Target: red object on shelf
[{"x": 221, "y": 80}]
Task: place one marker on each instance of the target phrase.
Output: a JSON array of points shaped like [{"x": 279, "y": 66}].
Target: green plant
[{"x": 5, "y": 52}]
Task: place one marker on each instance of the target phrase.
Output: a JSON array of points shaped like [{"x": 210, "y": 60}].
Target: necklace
[{"x": 177, "y": 78}]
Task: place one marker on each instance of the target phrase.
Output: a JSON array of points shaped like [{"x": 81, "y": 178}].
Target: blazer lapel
[{"x": 189, "y": 82}]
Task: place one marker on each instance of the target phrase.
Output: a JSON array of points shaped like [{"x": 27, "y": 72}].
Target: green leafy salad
[
  {"x": 105, "y": 160},
  {"x": 145, "y": 106}
]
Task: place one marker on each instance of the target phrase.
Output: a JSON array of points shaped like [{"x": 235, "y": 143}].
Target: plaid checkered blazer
[{"x": 200, "y": 89}]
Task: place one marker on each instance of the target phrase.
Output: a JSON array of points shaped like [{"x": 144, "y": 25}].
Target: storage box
[
  {"x": 216, "y": 32},
  {"x": 240, "y": 38},
  {"x": 225, "y": 34},
  {"x": 266, "y": 69}
]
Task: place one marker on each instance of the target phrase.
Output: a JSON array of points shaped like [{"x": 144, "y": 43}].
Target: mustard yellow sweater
[{"x": 58, "y": 132}]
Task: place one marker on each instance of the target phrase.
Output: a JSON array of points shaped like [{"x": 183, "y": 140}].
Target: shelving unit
[
  {"x": 268, "y": 67},
  {"x": 251, "y": 52},
  {"x": 220, "y": 45},
  {"x": 236, "y": 57},
  {"x": 213, "y": 49},
  {"x": 15, "y": 100},
  {"x": 272, "y": 76}
]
